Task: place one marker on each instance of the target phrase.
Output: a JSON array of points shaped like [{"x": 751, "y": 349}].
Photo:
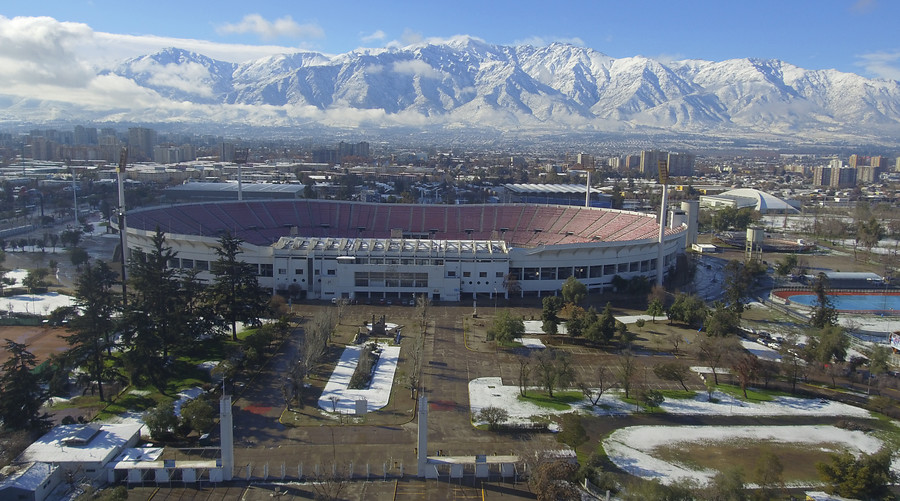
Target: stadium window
[
  {"x": 173, "y": 263},
  {"x": 609, "y": 269},
  {"x": 634, "y": 266},
  {"x": 298, "y": 271},
  {"x": 581, "y": 272},
  {"x": 596, "y": 271},
  {"x": 265, "y": 270},
  {"x": 330, "y": 272},
  {"x": 451, "y": 273},
  {"x": 645, "y": 266},
  {"x": 282, "y": 271},
  {"x": 499, "y": 274},
  {"x": 548, "y": 273},
  {"x": 315, "y": 272},
  {"x": 531, "y": 274},
  {"x": 187, "y": 264},
  {"x": 201, "y": 265},
  {"x": 482, "y": 274},
  {"x": 467, "y": 274},
  {"x": 564, "y": 273},
  {"x": 439, "y": 262}
]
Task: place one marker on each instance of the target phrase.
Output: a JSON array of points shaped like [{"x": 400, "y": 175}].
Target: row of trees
[{"x": 167, "y": 311}]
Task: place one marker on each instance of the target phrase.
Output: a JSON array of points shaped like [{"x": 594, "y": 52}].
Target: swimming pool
[{"x": 873, "y": 302}]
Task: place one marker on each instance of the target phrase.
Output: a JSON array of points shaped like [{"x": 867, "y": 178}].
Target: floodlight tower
[
  {"x": 240, "y": 158},
  {"x": 120, "y": 174},
  {"x": 664, "y": 180}
]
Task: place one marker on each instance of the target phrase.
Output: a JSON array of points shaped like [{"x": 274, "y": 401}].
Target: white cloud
[
  {"x": 881, "y": 64},
  {"x": 270, "y": 30},
  {"x": 416, "y": 67},
  {"x": 186, "y": 77},
  {"x": 34, "y": 50},
  {"x": 538, "y": 41},
  {"x": 373, "y": 37}
]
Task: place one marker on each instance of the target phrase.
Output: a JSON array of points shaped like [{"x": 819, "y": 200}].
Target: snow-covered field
[
  {"x": 37, "y": 304},
  {"x": 632, "y": 448},
  {"x": 379, "y": 391}
]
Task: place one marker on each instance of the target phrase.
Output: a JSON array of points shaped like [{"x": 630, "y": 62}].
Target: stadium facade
[{"x": 321, "y": 249}]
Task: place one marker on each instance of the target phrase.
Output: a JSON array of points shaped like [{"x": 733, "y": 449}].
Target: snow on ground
[
  {"x": 530, "y": 342},
  {"x": 631, "y": 448},
  {"x": 725, "y": 404},
  {"x": 490, "y": 391},
  {"x": 760, "y": 350},
  {"x": 184, "y": 396},
  {"x": 379, "y": 391},
  {"x": 37, "y": 304}
]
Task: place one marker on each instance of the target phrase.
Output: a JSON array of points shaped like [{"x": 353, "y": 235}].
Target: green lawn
[
  {"x": 757, "y": 394},
  {"x": 560, "y": 401}
]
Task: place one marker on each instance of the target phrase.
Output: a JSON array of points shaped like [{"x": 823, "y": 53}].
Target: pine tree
[
  {"x": 21, "y": 395},
  {"x": 235, "y": 292},
  {"x": 93, "y": 331}
]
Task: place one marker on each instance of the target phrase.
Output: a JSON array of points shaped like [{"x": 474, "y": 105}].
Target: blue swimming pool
[{"x": 853, "y": 302}]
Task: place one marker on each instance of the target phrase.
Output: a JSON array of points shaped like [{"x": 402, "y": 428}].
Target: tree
[
  {"x": 727, "y": 485},
  {"x": 768, "y": 475},
  {"x": 35, "y": 279},
  {"x": 93, "y": 331},
  {"x": 715, "y": 351},
  {"x": 550, "y": 314},
  {"x": 627, "y": 371},
  {"x": 235, "y": 291},
  {"x": 673, "y": 371},
  {"x": 78, "y": 256},
  {"x": 786, "y": 265},
  {"x": 493, "y": 416},
  {"x": 745, "y": 367},
  {"x": 722, "y": 320},
  {"x": 593, "y": 390},
  {"x": 21, "y": 395},
  {"x": 823, "y": 311},
  {"x": 573, "y": 291},
  {"x": 868, "y": 233},
  {"x": 572, "y": 431},
  {"x": 198, "y": 415},
  {"x": 524, "y": 372},
  {"x": 737, "y": 285},
  {"x": 554, "y": 369},
  {"x": 655, "y": 309},
  {"x": 161, "y": 420},
  {"x": 604, "y": 328},
  {"x": 868, "y": 476},
  {"x": 879, "y": 359},
  {"x": 553, "y": 480},
  {"x": 506, "y": 327},
  {"x": 688, "y": 309}
]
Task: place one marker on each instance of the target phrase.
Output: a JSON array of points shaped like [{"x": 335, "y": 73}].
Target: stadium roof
[
  {"x": 233, "y": 187},
  {"x": 545, "y": 188},
  {"x": 763, "y": 202}
]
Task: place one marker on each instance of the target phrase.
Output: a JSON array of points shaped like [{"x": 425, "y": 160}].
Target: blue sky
[{"x": 849, "y": 35}]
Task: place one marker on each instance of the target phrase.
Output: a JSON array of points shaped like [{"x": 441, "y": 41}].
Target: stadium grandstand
[{"x": 321, "y": 249}]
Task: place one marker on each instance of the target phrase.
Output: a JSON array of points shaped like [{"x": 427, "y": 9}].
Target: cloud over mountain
[{"x": 465, "y": 82}]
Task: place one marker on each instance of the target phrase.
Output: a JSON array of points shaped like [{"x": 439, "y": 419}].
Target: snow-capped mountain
[{"x": 465, "y": 82}]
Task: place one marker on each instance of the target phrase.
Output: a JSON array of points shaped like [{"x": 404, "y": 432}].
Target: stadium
[{"x": 322, "y": 249}]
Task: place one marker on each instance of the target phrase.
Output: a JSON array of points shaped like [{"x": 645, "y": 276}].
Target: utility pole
[{"x": 120, "y": 174}]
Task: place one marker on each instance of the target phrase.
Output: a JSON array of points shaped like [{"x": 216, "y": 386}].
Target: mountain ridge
[{"x": 465, "y": 81}]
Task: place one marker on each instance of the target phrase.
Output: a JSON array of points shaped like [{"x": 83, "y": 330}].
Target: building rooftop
[{"x": 80, "y": 443}]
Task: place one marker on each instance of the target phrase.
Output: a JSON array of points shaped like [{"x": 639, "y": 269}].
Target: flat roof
[{"x": 53, "y": 448}]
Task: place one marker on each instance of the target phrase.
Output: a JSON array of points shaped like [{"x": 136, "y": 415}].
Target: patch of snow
[
  {"x": 184, "y": 396},
  {"x": 725, "y": 404},
  {"x": 379, "y": 392},
  {"x": 632, "y": 448},
  {"x": 530, "y": 342}
]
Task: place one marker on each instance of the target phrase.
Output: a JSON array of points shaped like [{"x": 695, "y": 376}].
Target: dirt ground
[{"x": 40, "y": 341}]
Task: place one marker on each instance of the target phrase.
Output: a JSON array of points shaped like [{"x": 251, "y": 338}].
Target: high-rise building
[
  {"x": 141, "y": 141},
  {"x": 226, "y": 152},
  {"x": 822, "y": 175},
  {"x": 650, "y": 162},
  {"x": 681, "y": 164},
  {"x": 586, "y": 161}
]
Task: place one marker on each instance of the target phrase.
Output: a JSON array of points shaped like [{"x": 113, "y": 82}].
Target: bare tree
[
  {"x": 493, "y": 416},
  {"x": 328, "y": 485},
  {"x": 627, "y": 371},
  {"x": 524, "y": 373},
  {"x": 594, "y": 390},
  {"x": 715, "y": 352},
  {"x": 422, "y": 307}
]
